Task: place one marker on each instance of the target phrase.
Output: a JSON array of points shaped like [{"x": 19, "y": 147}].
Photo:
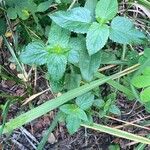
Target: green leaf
[
  {"x": 107, "y": 57},
  {"x": 72, "y": 109},
  {"x": 147, "y": 107},
  {"x": 145, "y": 95},
  {"x": 22, "y": 8},
  {"x": 3, "y": 27},
  {"x": 144, "y": 62},
  {"x": 75, "y": 46},
  {"x": 52, "y": 104},
  {"x": 56, "y": 86},
  {"x": 23, "y": 13},
  {"x": 48, "y": 132},
  {"x": 97, "y": 37},
  {"x": 146, "y": 71},
  {"x": 68, "y": 108},
  {"x": 73, "y": 56},
  {"x": 99, "y": 103},
  {"x": 56, "y": 64},
  {"x": 117, "y": 132},
  {"x": 66, "y": 1},
  {"x": 115, "y": 110},
  {"x": 44, "y": 6},
  {"x": 11, "y": 13},
  {"x": 141, "y": 81},
  {"x": 34, "y": 53},
  {"x": 106, "y": 10},
  {"x": 91, "y": 5},
  {"x": 123, "y": 31},
  {"x": 72, "y": 81},
  {"x": 85, "y": 101},
  {"x": 73, "y": 123},
  {"x": 147, "y": 52},
  {"x": 76, "y": 20},
  {"x": 58, "y": 36},
  {"x": 107, "y": 105},
  {"x": 89, "y": 64},
  {"x": 114, "y": 147}
]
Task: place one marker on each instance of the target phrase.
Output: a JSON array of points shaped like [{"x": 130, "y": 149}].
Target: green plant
[
  {"x": 73, "y": 48},
  {"x": 79, "y": 20},
  {"x": 142, "y": 79},
  {"x": 62, "y": 51}
]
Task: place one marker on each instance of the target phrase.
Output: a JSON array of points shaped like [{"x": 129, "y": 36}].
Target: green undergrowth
[{"x": 80, "y": 46}]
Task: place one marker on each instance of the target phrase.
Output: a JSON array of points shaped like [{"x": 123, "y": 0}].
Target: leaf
[
  {"x": 144, "y": 61},
  {"x": 56, "y": 64},
  {"x": 34, "y": 53},
  {"x": 72, "y": 81},
  {"x": 68, "y": 108},
  {"x": 117, "y": 132},
  {"x": 44, "y": 6},
  {"x": 118, "y": 86},
  {"x": 141, "y": 81},
  {"x": 73, "y": 56},
  {"x": 56, "y": 86},
  {"x": 146, "y": 71},
  {"x": 99, "y": 103},
  {"x": 52, "y": 104},
  {"x": 11, "y": 13},
  {"x": 147, "y": 107},
  {"x": 72, "y": 109},
  {"x": 23, "y": 13},
  {"x": 77, "y": 19},
  {"x": 97, "y": 37},
  {"x": 91, "y": 5},
  {"x": 107, "y": 57},
  {"x": 58, "y": 36},
  {"x": 114, "y": 147},
  {"x": 123, "y": 31},
  {"x": 115, "y": 110},
  {"x": 73, "y": 123},
  {"x": 22, "y": 8},
  {"x": 89, "y": 64},
  {"x": 75, "y": 46},
  {"x": 107, "y": 105},
  {"x": 145, "y": 95},
  {"x": 66, "y": 1},
  {"x": 85, "y": 101},
  {"x": 106, "y": 10},
  {"x": 141, "y": 146},
  {"x": 147, "y": 52},
  {"x": 3, "y": 27},
  {"x": 48, "y": 135}
]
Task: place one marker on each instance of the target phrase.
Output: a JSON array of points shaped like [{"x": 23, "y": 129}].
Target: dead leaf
[
  {"x": 8, "y": 34},
  {"x": 21, "y": 76},
  {"x": 34, "y": 96}
]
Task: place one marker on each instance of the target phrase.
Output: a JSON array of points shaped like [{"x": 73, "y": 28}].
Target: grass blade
[
  {"x": 117, "y": 132},
  {"x": 141, "y": 146},
  {"x": 117, "y": 85},
  {"x": 14, "y": 56},
  {"x": 50, "y": 129},
  {"x": 57, "y": 102},
  {"x": 4, "y": 115}
]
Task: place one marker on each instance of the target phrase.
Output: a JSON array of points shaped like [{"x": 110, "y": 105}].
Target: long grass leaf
[
  {"x": 141, "y": 146},
  {"x": 47, "y": 133},
  {"x": 57, "y": 102},
  {"x": 117, "y": 132},
  {"x": 117, "y": 85}
]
